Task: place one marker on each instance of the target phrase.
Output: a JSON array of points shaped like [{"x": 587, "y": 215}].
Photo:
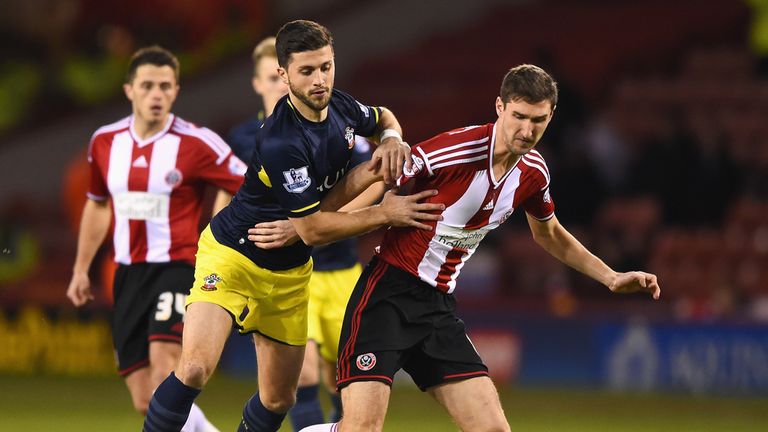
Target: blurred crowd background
[{"x": 658, "y": 149}]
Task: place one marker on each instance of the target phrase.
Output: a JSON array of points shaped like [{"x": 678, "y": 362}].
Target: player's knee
[
  {"x": 279, "y": 403},
  {"x": 140, "y": 404},
  {"x": 193, "y": 374}
]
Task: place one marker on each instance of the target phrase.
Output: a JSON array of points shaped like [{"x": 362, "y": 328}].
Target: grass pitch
[{"x": 35, "y": 403}]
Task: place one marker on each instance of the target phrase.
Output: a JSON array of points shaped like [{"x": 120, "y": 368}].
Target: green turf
[{"x": 36, "y": 403}]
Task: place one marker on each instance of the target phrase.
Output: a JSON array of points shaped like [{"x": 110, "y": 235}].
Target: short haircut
[
  {"x": 265, "y": 48},
  {"x": 299, "y": 36},
  {"x": 153, "y": 55},
  {"x": 529, "y": 83}
]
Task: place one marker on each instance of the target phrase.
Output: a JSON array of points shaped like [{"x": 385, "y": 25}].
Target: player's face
[
  {"x": 521, "y": 124},
  {"x": 152, "y": 92},
  {"x": 267, "y": 82},
  {"x": 309, "y": 76}
]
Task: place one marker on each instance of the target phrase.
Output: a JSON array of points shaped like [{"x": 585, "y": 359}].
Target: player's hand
[
  {"x": 273, "y": 235},
  {"x": 406, "y": 210},
  {"x": 636, "y": 281},
  {"x": 79, "y": 290},
  {"x": 388, "y": 159}
]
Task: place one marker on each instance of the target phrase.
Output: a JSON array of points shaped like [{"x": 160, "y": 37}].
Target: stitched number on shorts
[{"x": 165, "y": 304}]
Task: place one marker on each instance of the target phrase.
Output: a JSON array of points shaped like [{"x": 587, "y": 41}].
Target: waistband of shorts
[{"x": 406, "y": 275}]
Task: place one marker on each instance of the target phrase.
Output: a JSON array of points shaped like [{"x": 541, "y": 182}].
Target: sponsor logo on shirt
[
  {"x": 210, "y": 281},
  {"x": 459, "y": 238},
  {"x": 297, "y": 180},
  {"x": 366, "y": 362},
  {"x": 142, "y": 206}
]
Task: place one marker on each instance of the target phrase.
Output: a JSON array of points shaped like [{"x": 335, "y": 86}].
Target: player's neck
[
  {"x": 503, "y": 160},
  {"x": 145, "y": 129},
  {"x": 308, "y": 112}
]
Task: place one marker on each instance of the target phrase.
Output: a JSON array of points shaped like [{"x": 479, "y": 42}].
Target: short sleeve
[
  {"x": 97, "y": 186},
  {"x": 291, "y": 175},
  {"x": 365, "y": 117},
  {"x": 540, "y": 205},
  {"x": 216, "y": 164}
]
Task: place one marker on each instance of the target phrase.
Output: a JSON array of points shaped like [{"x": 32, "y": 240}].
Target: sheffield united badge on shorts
[
  {"x": 210, "y": 282},
  {"x": 366, "y": 362}
]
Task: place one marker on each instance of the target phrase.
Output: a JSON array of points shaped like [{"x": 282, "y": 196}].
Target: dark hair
[
  {"x": 154, "y": 55},
  {"x": 529, "y": 83},
  {"x": 299, "y": 36}
]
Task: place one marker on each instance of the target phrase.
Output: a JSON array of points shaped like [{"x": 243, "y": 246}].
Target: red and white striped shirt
[
  {"x": 459, "y": 165},
  {"x": 157, "y": 186}
]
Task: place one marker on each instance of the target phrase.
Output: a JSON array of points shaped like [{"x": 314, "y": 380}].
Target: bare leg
[
  {"x": 206, "y": 329},
  {"x": 279, "y": 367},
  {"x": 473, "y": 404},
  {"x": 163, "y": 356},
  {"x": 365, "y": 406}
]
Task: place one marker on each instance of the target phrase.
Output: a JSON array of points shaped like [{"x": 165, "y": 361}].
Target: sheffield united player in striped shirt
[
  {"x": 401, "y": 313},
  {"x": 148, "y": 176}
]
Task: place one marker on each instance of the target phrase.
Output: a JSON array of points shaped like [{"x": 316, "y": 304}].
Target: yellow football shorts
[
  {"x": 329, "y": 292},
  {"x": 272, "y": 303}
]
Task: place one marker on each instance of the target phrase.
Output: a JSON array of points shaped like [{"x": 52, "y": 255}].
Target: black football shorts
[{"x": 394, "y": 320}]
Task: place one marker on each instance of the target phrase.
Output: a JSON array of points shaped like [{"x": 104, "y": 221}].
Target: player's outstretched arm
[
  {"x": 94, "y": 225},
  {"x": 325, "y": 227},
  {"x": 561, "y": 244}
]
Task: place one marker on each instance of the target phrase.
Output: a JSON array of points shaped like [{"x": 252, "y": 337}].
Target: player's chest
[
  {"x": 330, "y": 154},
  {"x": 476, "y": 200},
  {"x": 157, "y": 168}
]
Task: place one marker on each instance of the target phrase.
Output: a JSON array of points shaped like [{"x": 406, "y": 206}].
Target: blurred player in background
[
  {"x": 301, "y": 153},
  {"x": 148, "y": 176},
  {"x": 402, "y": 311}
]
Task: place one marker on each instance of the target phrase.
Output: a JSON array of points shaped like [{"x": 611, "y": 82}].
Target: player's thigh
[
  {"x": 473, "y": 403},
  {"x": 206, "y": 329},
  {"x": 365, "y": 406},
  {"x": 310, "y": 374},
  {"x": 279, "y": 366}
]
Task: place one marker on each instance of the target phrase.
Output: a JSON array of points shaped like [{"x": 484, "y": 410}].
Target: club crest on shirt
[
  {"x": 349, "y": 135},
  {"x": 297, "y": 180},
  {"x": 210, "y": 281},
  {"x": 366, "y": 362},
  {"x": 174, "y": 178}
]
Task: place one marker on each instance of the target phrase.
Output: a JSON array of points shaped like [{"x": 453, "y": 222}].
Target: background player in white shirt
[{"x": 148, "y": 176}]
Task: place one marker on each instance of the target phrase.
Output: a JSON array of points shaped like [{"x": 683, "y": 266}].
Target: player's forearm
[
  {"x": 565, "y": 247},
  {"x": 94, "y": 225},
  {"x": 351, "y": 185},
  {"x": 368, "y": 197},
  {"x": 329, "y": 227},
  {"x": 387, "y": 121}
]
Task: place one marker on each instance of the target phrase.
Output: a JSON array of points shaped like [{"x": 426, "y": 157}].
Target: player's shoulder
[
  {"x": 111, "y": 129},
  {"x": 534, "y": 163},
  {"x": 199, "y": 136},
  {"x": 347, "y": 104},
  {"x": 470, "y": 139}
]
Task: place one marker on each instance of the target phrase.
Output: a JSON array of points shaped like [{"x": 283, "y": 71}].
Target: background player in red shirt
[
  {"x": 402, "y": 311},
  {"x": 148, "y": 177}
]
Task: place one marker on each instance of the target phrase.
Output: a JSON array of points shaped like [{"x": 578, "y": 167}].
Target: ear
[
  {"x": 499, "y": 106},
  {"x": 283, "y": 74},
  {"x": 128, "y": 89}
]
